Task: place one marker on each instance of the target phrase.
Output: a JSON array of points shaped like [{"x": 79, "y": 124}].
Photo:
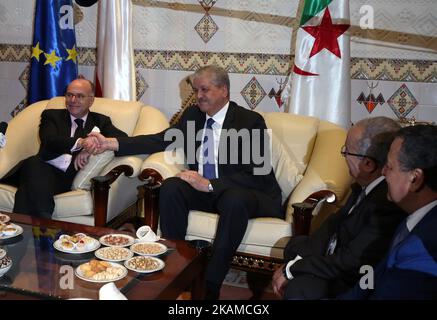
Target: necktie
[
  {"x": 357, "y": 195},
  {"x": 208, "y": 151},
  {"x": 401, "y": 233},
  {"x": 352, "y": 200},
  {"x": 79, "y": 132},
  {"x": 360, "y": 198}
]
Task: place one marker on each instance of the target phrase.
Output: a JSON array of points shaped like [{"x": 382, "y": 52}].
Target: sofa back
[
  {"x": 297, "y": 134},
  {"x": 314, "y": 145},
  {"x": 22, "y": 132},
  {"x": 124, "y": 114}
]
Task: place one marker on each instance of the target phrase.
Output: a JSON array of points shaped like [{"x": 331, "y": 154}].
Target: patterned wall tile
[
  {"x": 253, "y": 93},
  {"x": 206, "y": 28},
  {"x": 402, "y": 102},
  {"x": 141, "y": 85}
]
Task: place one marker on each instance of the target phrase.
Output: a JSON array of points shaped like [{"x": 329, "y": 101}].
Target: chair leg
[
  {"x": 100, "y": 188},
  {"x": 150, "y": 197}
]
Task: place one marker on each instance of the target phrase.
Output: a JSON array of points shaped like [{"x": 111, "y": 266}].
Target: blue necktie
[
  {"x": 208, "y": 151},
  {"x": 400, "y": 235}
]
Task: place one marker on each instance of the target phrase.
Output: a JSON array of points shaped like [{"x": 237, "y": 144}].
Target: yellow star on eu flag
[
  {"x": 36, "y": 52},
  {"x": 52, "y": 58},
  {"x": 72, "y": 54}
]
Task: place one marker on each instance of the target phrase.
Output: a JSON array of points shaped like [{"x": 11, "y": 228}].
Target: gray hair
[
  {"x": 219, "y": 76},
  {"x": 377, "y": 137}
]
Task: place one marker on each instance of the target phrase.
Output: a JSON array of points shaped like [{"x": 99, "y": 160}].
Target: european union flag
[{"x": 53, "y": 61}]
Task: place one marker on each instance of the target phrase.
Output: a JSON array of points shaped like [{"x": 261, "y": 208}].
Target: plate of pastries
[{"x": 76, "y": 244}]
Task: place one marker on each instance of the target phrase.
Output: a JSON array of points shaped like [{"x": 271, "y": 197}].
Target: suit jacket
[
  {"x": 232, "y": 172},
  {"x": 363, "y": 238},
  {"x": 409, "y": 270},
  {"x": 55, "y": 131}
]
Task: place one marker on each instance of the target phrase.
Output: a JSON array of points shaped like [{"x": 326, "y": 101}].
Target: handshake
[{"x": 94, "y": 144}]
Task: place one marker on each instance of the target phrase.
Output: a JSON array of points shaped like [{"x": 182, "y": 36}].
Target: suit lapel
[
  {"x": 90, "y": 123},
  {"x": 66, "y": 124},
  {"x": 229, "y": 118},
  {"x": 199, "y": 119},
  {"x": 228, "y": 123}
]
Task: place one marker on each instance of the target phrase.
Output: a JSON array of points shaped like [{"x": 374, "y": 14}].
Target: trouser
[
  {"x": 234, "y": 206},
  {"x": 37, "y": 182}
]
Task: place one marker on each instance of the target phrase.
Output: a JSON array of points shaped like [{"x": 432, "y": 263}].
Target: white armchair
[{"x": 114, "y": 185}]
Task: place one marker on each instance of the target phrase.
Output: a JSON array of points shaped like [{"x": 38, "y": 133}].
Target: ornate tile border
[
  {"x": 249, "y": 63},
  {"x": 394, "y": 70}
]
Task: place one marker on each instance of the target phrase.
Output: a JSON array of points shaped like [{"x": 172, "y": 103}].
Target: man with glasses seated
[
  {"x": 63, "y": 134},
  {"x": 328, "y": 262}
]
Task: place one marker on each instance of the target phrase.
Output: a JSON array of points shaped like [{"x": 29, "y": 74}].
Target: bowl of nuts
[{"x": 5, "y": 265}]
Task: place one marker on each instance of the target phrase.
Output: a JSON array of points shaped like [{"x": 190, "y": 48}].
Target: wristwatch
[{"x": 210, "y": 188}]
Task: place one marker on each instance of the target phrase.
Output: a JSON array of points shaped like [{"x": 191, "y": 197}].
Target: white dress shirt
[
  {"x": 63, "y": 161},
  {"x": 219, "y": 118}
]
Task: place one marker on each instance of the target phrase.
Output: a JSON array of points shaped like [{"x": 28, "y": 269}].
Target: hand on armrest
[{"x": 304, "y": 211}]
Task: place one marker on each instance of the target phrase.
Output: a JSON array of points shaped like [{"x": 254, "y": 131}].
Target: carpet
[{"x": 239, "y": 278}]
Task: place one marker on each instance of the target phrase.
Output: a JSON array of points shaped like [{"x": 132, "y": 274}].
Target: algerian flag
[{"x": 320, "y": 79}]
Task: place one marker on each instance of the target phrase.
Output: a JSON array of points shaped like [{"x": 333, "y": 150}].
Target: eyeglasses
[
  {"x": 78, "y": 96},
  {"x": 345, "y": 153}
]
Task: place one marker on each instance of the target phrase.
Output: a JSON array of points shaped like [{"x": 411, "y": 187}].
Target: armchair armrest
[
  {"x": 100, "y": 190},
  {"x": 134, "y": 162},
  {"x": 166, "y": 164},
  {"x": 304, "y": 211},
  {"x": 155, "y": 169}
]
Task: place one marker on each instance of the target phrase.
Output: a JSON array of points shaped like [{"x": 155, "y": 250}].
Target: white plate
[
  {"x": 130, "y": 240},
  {"x": 80, "y": 274},
  {"x": 160, "y": 265},
  {"x": 17, "y": 233},
  {"x": 92, "y": 246},
  {"x": 99, "y": 253},
  {"x": 135, "y": 248},
  {"x": 4, "y": 218}
]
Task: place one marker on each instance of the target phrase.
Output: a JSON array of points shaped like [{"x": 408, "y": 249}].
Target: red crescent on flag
[{"x": 301, "y": 72}]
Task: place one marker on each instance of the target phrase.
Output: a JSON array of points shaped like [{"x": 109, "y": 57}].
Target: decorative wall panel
[{"x": 252, "y": 40}]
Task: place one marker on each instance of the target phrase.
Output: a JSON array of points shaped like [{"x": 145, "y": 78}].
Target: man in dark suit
[
  {"x": 328, "y": 262},
  {"x": 63, "y": 135},
  {"x": 227, "y": 178},
  {"x": 409, "y": 270}
]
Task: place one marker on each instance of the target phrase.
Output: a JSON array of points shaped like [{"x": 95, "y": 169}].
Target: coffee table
[{"x": 39, "y": 271}]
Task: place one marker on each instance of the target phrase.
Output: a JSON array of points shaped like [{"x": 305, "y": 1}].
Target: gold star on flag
[
  {"x": 36, "y": 51},
  {"x": 72, "y": 54},
  {"x": 52, "y": 58}
]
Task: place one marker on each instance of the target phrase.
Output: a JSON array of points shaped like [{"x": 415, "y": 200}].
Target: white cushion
[
  {"x": 73, "y": 204},
  {"x": 264, "y": 236},
  {"x": 287, "y": 172},
  {"x": 92, "y": 169}
]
